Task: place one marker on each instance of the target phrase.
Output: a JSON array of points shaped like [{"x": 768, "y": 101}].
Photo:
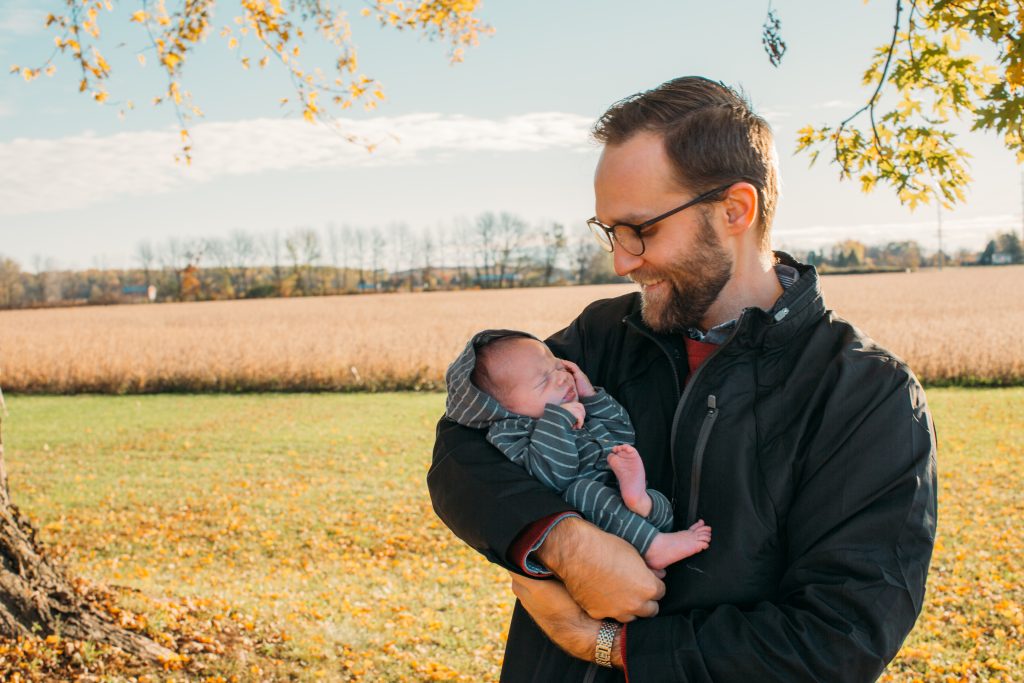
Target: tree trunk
[{"x": 37, "y": 597}]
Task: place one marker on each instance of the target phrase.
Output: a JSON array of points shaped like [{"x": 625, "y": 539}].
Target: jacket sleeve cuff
[{"x": 530, "y": 540}]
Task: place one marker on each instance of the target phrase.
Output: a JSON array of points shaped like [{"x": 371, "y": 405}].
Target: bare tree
[
  {"x": 554, "y": 245},
  {"x": 334, "y": 247},
  {"x": 303, "y": 247},
  {"x": 145, "y": 256},
  {"x": 377, "y": 246},
  {"x": 486, "y": 246},
  {"x": 273, "y": 248},
  {"x": 243, "y": 249},
  {"x": 510, "y": 234},
  {"x": 584, "y": 254},
  {"x": 427, "y": 251},
  {"x": 359, "y": 245},
  {"x": 401, "y": 242}
]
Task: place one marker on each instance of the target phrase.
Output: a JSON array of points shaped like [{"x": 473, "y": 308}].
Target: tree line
[
  {"x": 495, "y": 250},
  {"x": 847, "y": 255}
]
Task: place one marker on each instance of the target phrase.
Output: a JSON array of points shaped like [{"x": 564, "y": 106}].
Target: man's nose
[{"x": 624, "y": 262}]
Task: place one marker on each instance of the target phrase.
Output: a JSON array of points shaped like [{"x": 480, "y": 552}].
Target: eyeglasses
[{"x": 630, "y": 237}]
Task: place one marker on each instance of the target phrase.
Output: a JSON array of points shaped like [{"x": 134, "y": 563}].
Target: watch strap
[{"x": 605, "y": 639}]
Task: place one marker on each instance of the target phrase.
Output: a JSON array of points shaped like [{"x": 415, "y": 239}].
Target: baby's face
[{"x": 531, "y": 377}]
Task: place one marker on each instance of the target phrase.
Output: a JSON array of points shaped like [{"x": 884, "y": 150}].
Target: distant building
[{"x": 136, "y": 292}]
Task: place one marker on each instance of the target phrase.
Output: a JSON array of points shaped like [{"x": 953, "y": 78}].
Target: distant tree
[
  {"x": 510, "y": 234},
  {"x": 303, "y": 248},
  {"x": 986, "y": 256},
  {"x": 146, "y": 257},
  {"x": 377, "y": 245},
  {"x": 428, "y": 251},
  {"x": 12, "y": 291},
  {"x": 400, "y": 243},
  {"x": 273, "y": 249},
  {"x": 1008, "y": 243},
  {"x": 554, "y": 245},
  {"x": 486, "y": 247},
  {"x": 359, "y": 245},
  {"x": 243, "y": 250}
]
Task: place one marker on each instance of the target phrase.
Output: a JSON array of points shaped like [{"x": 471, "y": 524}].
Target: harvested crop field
[{"x": 956, "y": 326}]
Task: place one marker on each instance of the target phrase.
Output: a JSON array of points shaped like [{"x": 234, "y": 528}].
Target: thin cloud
[
  {"x": 38, "y": 175},
  {"x": 835, "y": 104},
  {"x": 5, "y": 110},
  {"x": 971, "y": 233},
  {"x": 21, "y": 19}
]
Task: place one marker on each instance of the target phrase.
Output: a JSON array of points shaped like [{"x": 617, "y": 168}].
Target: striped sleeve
[
  {"x": 545, "y": 447},
  {"x": 601, "y": 406},
  {"x": 661, "y": 511}
]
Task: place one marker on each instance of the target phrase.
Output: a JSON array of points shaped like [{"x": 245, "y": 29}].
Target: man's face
[{"x": 684, "y": 265}]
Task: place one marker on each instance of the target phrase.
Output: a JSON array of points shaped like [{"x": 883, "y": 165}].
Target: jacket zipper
[
  {"x": 685, "y": 394},
  {"x": 698, "y": 458},
  {"x": 682, "y": 404}
]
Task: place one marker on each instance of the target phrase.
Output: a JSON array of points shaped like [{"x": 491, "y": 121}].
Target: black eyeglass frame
[{"x": 613, "y": 239}]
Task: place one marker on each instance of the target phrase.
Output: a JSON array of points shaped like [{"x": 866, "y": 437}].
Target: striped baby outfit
[{"x": 573, "y": 462}]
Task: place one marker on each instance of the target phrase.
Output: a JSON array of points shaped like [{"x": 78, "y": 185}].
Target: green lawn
[{"x": 302, "y": 522}]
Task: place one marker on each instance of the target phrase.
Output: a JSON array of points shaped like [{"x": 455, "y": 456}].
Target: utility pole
[{"x": 938, "y": 215}]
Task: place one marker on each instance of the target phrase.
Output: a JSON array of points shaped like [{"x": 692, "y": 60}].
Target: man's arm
[
  {"x": 860, "y": 535},
  {"x": 484, "y": 498}
]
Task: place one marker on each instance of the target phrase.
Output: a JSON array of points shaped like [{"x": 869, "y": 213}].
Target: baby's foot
[
  {"x": 625, "y": 462},
  {"x": 669, "y": 548}
]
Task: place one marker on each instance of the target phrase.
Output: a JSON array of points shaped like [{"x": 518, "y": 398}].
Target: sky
[{"x": 505, "y": 130}]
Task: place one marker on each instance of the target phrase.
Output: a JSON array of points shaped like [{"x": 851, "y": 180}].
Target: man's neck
[{"x": 753, "y": 284}]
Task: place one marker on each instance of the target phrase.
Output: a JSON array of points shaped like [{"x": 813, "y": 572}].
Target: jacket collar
[{"x": 800, "y": 306}]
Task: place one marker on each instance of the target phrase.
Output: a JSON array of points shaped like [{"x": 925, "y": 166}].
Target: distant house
[
  {"x": 496, "y": 277},
  {"x": 139, "y": 292},
  {"x": 1000, "y": 259}
]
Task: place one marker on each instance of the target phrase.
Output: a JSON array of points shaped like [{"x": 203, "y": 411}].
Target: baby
[{"x": 544, "y": 415}]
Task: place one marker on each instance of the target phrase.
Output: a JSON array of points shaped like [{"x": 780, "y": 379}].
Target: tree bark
[{"x": 37, "y": 597}]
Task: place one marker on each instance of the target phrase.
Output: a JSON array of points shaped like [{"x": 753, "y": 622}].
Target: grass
[
  {"x": 944, "y": 324},
  {"x": 295, "y": 531}
]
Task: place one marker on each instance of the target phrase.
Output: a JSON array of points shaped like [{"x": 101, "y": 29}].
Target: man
[{"x": 807, "y": 448}]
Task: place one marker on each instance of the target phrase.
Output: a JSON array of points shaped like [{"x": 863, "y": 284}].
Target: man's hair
[{"x": 711, "y": 136}]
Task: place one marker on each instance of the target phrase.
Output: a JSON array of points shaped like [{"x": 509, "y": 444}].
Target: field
[
  {"x": 958, "y": 326},
  {"x": 290, "y": 537}
]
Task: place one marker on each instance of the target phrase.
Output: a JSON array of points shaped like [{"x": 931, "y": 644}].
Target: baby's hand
[
  {"x": 578, "y": 411},
  {"x": 584, "y": 388}
]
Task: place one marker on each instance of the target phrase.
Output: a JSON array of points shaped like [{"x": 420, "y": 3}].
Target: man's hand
[
  {"x": 578, "y": 411},
  {"x": 604, "y": 574},
  {"x": 584, "y": 388},
  {"x": 558, "y": 615}
]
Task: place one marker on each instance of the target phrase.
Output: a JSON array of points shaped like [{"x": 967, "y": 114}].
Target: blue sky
[{"x": 505, "y": 130}]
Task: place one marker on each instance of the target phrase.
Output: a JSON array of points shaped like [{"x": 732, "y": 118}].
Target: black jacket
[{"x": 807, "y": 448}]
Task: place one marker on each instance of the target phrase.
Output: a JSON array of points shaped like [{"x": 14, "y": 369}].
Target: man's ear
[{"x": 741, "y": 208}]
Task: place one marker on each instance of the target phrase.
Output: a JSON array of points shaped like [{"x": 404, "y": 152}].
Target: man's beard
[{"x": 695, "y": 280}]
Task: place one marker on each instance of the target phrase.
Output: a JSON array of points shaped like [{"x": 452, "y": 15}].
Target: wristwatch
[{"x": 605, "y": 639}]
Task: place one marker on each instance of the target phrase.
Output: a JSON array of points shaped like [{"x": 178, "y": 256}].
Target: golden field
[{"x": 957, "y": 326}]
